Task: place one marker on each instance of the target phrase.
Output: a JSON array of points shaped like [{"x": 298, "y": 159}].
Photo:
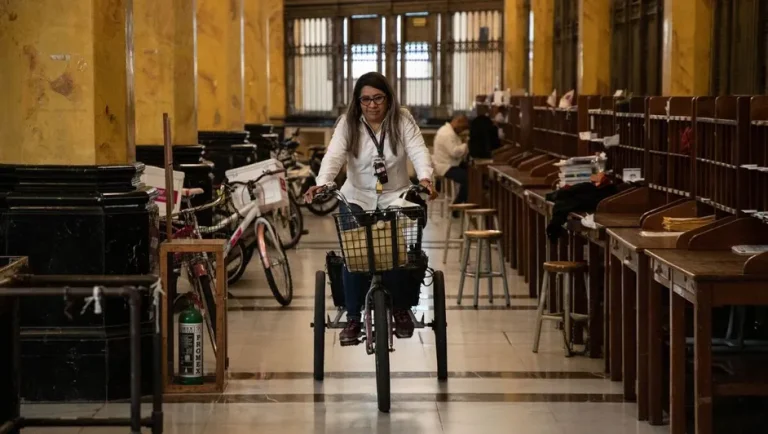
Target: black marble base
[
  {"x": 9, "y": 399},
  {"x": 187, "y": 159},
  {"x": 227, "y": 150},
  {"x": 84, "y": 220},
  {"x": 265, "y": 137}
]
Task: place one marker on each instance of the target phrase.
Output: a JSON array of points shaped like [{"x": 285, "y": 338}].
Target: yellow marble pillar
[
  {"x": 256, "y": 48},
  {"x": 276, "y": 30},
  {"x": 687, "y": 51},
  {"x": 164, "y": 64},
  {"x": 220, "y": 65},
  {"x": 153, "y": 67},
  {"x": 594, "y": 68},
  {"x": 184, "y": 118},
  {"x": 66, "y": 82},
  {"x": 543, "y": 40},
  {"x": 515, "y": 44}
]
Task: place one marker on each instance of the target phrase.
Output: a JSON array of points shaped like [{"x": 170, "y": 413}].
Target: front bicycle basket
[{"x": 382, "y": 240}]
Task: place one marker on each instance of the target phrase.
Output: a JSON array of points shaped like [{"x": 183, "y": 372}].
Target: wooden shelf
[{"x": 215, "y": 384}]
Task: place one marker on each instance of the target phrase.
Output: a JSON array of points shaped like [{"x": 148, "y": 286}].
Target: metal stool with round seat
[
  {"x": 484, "y": 239},
  {"x": 564, "y": 270},
  {"x": 461, "y": 208},
  {"x": 479, "y": 216}
]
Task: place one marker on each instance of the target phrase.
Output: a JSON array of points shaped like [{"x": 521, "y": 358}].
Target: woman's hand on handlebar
[
  {"x": 309, "y": 196},
  {"x": 426, "y": 183}
]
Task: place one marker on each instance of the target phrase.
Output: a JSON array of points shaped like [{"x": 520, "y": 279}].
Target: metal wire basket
[{"x": 377, "y": 241}]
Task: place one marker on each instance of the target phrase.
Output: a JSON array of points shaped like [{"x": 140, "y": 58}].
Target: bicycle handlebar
[
  {"x": 199, "y": 208},
  {"x": 256, "y": 181},
  {"x": 332, "y": 189}
]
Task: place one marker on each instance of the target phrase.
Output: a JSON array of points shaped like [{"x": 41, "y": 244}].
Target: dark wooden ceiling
[{"x": 332, "y": 8}]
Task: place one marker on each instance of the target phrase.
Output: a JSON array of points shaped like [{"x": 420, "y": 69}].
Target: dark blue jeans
[
  {"x": 459, "y": 175},
  {"x": 356, "y": 285}
]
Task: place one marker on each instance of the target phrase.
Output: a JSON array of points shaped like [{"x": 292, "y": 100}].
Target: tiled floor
[{"x": 496, "y": 384}]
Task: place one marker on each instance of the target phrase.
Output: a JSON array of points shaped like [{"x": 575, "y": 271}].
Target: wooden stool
[
  {"x": 461, "y": 208},
  {"x": 484, "y": 240},
  {"x": 566, "y": 270},
  {"x": 478, "y": 217}
]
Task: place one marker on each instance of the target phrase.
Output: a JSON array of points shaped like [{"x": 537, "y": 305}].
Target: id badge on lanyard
[{"x": 379, "y": 164}]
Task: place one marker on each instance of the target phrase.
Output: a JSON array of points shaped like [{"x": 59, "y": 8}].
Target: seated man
[
  {"x": 449, "y": 154},
  {"x": 483, "y": 134}
]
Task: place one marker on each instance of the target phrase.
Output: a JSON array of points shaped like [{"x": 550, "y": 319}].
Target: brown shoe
[
  {"x": 403, "y": 324},
  {"x": 351, "y": 333}
]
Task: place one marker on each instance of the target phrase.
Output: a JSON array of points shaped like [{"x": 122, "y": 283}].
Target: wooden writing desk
[
  {"x": 707, "y": 279},
  {"x": 508, "y": 188},
  {"x": 629, "y": 266}
]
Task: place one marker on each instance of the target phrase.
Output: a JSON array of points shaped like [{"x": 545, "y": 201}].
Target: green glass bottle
[{"x": 191, "y": 346}]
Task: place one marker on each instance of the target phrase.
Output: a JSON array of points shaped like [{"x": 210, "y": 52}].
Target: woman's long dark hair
[{"x": 391, "y": 119}]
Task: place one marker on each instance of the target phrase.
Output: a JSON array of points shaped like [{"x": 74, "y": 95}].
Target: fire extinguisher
[{"x": 191, "y": 345}]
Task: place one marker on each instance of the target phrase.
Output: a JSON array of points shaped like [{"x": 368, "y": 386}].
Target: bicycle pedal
[
  {"x": 305, "y": 232},
  {"x": 350, "y": 343}
]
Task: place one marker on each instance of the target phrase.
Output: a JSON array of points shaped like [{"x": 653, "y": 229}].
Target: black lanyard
[{"x": 379, "y": 143}]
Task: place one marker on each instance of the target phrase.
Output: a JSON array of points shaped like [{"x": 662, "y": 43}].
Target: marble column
[
  {"x": 276, "y": 30},
  {"x": 594, "y": 71},
  {"x": 256, "y": 48},
  {"x": 543, "y": 40},
  {"x": 516, "y": 37},
  {"x": 67, "y": 82},
  {"x": 165, "y": 61},
  {"x": 687, "y": 52},
  {"x": 220, "y": 65},
  {"x": 68, "y": 198}
]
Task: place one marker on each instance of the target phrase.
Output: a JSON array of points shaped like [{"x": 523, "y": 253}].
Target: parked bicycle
[
  {"x": 374, "y": 242},
  {"x": 251, "y": 223},
  {"x": 302, "y": 174},
  {"x": 199, "y": 267}
]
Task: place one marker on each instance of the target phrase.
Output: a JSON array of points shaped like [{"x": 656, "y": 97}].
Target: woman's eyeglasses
[{"x": 378, "y": 99}]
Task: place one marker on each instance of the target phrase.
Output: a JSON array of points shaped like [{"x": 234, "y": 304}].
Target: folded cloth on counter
[{"x": 582, "y": 197}]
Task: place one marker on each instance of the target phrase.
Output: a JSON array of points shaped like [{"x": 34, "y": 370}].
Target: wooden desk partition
[{"x": 167, "y": 250}]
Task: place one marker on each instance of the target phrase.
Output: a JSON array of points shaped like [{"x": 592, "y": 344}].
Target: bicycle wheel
[
  {"x": 275, "y": 263},
  {"x": 439, "y": 326},
  {"x": 381, "y": 332},
  {"x": 289, "y": 227},
  {"x": 319, "y": 326},
  {"x": 237, "y": 261},
  {"x": 200, "y": 278}
]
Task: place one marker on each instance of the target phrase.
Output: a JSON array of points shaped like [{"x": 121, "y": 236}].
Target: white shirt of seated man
[
  {"x": 374, "y": 103},
  {"x": 449, "y": 148}
]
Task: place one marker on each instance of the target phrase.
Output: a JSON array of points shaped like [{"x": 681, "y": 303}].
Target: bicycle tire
[
  {"x": 264, "y": 241},
  {"x": 203, "y": 284},
  {"x": 295, "y": 223},
  {"x": 238, "y": 250},
  {"x": 319, "y": 326},
  {"x": 381, "y": 337},
  {"x": 440, "y": 326}
]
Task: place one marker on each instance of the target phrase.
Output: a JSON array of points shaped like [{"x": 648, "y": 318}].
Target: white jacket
[
  {"x": 360, "y": 187},
  {"x": 449, "y": 151}
]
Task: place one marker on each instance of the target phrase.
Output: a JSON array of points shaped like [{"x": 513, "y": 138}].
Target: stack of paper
[
  {"x": 749, "y": 250},
  {"x": 678, "y": 224},
  {"x": 577, "y": 170},
  {"x": 575, "y": 174}
]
